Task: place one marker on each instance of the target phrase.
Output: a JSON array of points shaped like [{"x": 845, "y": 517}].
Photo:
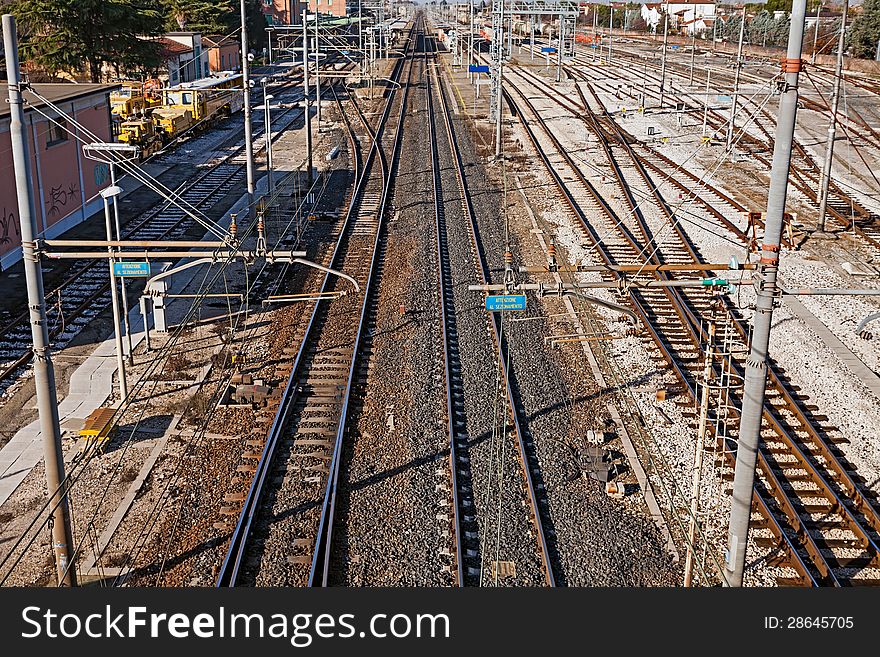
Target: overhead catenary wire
[{"x": 126, "y": 165}]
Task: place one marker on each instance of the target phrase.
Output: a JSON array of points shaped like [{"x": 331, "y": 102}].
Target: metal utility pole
[
  {"x": 816, "y": 33},
  {"x": 756, "y": 365},
  {"x": 706, "y": 101},
  {"x": 267, "y": 119},
  {"x": 317, "y": 74},
  {"x": 121, "y": 279},
  {"x": 308, "y": 114},
  {"x": 610, "y": 32},
  {"x": 693, "y": 47},
  {"x": 44, "y": 373},
  {"x": 106, "y": 194},
  {"x": 663, "y": 57},
  {"x": 832, "y": 126},
  {"x": 248, "y": 135},
  {"x": 558, "y": 51},
  {"x": 471, "y": 60},
  {"x": 698, "y": 455},
  {"x": 269, "y": 35},
  {"x": 595, "y": 31},
  {"x": 532, "y": 43},
  {"x": 739, "y": 50},
  {"x": 500, "y": 93}
]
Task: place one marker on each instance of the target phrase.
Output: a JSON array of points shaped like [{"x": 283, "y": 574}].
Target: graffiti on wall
[
  {"x": 59, "y": 197},
  {"x": 9, "y": 227}
]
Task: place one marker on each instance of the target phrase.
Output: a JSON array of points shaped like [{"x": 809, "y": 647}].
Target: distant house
[
  {"x": 682, "y": 14},
  {"x": 66, "y": 183},
  {"x": 185, "y": 57},
  {"x": 224, "y": 53},
  {"x": 282, "y": 12},
  {"x": 332, "y": 7}
]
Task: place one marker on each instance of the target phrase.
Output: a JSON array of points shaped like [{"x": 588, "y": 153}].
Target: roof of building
[
  {"x": 171, "y": 47},
  {"x": 57, "y": 93},
  {"x": 218, "y": 41}
]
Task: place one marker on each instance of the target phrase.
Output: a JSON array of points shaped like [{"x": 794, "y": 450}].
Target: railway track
[
  {"x": 815, "y": 513},
  {"x": 86, "y": 290},
  {"x": 284, "y": 535},
  {"x": 468, "y": 466},
  {"x": 843, "y": 209}
]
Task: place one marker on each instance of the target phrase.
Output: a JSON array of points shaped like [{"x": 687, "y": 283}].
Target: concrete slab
[{"x": 853, "y": 363}]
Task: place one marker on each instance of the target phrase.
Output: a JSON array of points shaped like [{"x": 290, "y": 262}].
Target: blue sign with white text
[
  {"x": 474, "y": 68},
  {"x": 131, "y": 269},
  {"x": 548, "y": 49},
  {"x": 501, "y": 302}
]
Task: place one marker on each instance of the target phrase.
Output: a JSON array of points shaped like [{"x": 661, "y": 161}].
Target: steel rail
[
  {"x": 444, "y": 276},
  {"x": 502, "y": 350},
  {"x": 238, "y": 546},
  {"x": 320, "y": 570},
  {"x": 796, "y": 562},
  {"x": 831, "y": 461}
]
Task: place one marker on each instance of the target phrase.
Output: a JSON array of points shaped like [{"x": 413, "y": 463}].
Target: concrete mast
[
  {"x": 767, "y": 291},
  {"x": 44, "y": 373},
  {"x": 832, "y": 126}
]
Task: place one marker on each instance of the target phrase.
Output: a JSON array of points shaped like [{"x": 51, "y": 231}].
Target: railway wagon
[{"x": 195, "y": 103}]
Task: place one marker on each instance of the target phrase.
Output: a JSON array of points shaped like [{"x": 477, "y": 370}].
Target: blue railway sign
[
  {"x": 474, "y": 68},
  {"x": 548, "y": 49},
  {"x": 131, "y": 269},
  {"x": 499, "y": 302}
]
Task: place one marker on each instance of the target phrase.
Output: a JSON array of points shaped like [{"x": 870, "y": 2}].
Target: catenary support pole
[
  {"x": 500, "y": 100},
  {"x": 248, "y": 133},
  {"x": 308, "y": 111},
  {"x": 756, "y": 365},
  {"x": 832, "y": 126},
  {"x": 595, "y": 43},
  {"x": 815, "y": 34},
  {"x": 663, "y": 56},
  {"x": 739, "y": 63},
  {"x": 121, "y": 279},
  {"x": 693, "y": 47},
  {"x": 559, "y": 38},
  {"x": 106, "y": 194},
  {"x": 44, "y": 374},
  {"x": 317, "y": 74},
  {"x": 610, "y": 32},
  {"x": 694, "y": 524}
]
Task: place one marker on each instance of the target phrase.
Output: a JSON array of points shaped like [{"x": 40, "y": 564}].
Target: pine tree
[
  {"x": 73, "y": 35},
  {"x": 205, "y": 16},
  {"x": 865, "y": 31},
  {"x": 216, "y": 17}
]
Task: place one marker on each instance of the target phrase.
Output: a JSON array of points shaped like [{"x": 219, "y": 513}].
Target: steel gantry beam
[{"x": 505, "y": 14}]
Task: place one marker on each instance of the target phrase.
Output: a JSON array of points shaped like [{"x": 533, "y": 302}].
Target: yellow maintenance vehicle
[{"x": 135, "y": 98}]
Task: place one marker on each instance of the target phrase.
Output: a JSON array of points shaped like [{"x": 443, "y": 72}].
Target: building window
[{"x": 57, "y": 133}]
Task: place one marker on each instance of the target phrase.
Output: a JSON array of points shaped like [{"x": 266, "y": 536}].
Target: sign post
[
  {"x": 140, "y": 269},
  {"x": 505, "y": 302}
]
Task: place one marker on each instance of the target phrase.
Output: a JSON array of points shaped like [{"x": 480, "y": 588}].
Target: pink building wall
[{"x": 65, "y": 183}]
